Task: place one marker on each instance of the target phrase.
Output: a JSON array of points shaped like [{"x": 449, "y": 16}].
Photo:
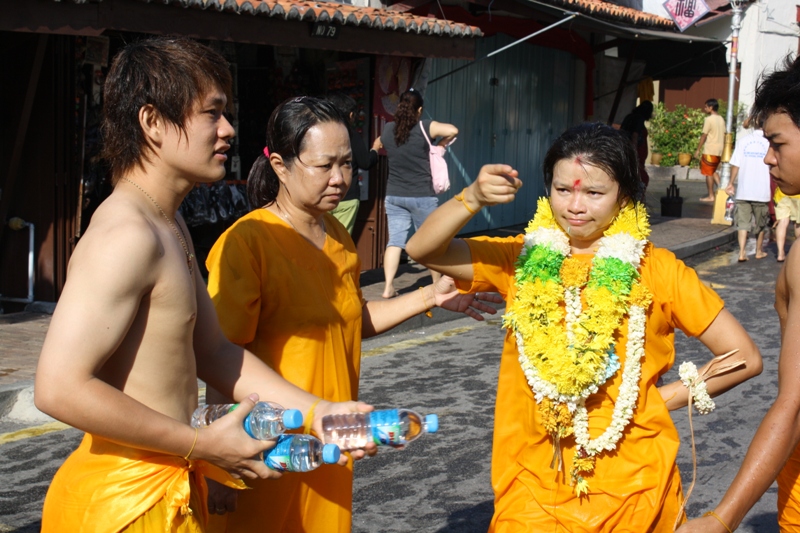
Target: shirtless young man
[
  {"x": 774, "y": 451},
  {"x": 134, "y": 327}
]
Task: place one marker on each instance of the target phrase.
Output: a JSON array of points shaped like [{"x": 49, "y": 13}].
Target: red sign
[{"x": 686, "y": 12}]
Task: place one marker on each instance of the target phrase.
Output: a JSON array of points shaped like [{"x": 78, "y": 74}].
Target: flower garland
[
  {"x": 567, "y": 352},
  {"x": 697, "y": 388}
]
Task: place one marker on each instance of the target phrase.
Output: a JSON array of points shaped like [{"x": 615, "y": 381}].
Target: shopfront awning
[{"x": 292, "y": 23}]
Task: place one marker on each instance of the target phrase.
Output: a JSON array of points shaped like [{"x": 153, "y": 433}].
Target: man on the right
[
  {"x": 712, "y": 141},
  {"x": 774, "y": 452}
]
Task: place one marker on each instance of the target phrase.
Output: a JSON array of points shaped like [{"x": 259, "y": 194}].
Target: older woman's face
[
  {"x": 320, "y": 177},
  {"x": 584, "y": 200}
]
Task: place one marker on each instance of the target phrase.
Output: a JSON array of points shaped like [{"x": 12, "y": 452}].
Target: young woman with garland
[{"x": 583, "y": 439}]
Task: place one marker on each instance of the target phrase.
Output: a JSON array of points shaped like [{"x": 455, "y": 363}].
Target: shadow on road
[{"x": 473, "y": 519}]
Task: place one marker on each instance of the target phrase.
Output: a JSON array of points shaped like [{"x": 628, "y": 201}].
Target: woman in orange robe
[
  {"x": 285, "y": 283},
  {"x": 591, "y": 174}
]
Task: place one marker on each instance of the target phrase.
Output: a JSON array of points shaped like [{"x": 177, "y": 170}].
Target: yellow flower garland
[{"x": 566, "y": 353}]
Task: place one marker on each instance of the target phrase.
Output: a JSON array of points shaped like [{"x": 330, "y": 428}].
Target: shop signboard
[{"x": 686, "y": 12}]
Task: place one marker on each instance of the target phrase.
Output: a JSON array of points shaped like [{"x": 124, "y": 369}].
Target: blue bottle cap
[
  {"x": 330, "y": 453},
  {"x": 431, "y": 423},
  {"x": 292, "y": 419}
]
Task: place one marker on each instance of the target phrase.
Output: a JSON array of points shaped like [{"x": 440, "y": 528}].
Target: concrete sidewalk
[{"x": 22, "y": 334}]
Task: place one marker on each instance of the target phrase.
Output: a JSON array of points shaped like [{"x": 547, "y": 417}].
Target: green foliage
[
  {"x": 679, "y": 131},
  {"x": 675, "y": 132}
]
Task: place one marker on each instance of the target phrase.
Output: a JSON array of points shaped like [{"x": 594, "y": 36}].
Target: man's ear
[{"x": 152, "y": 124}]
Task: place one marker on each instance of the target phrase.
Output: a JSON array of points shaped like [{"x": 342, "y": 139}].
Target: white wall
[{"x": 768, "y": 34}]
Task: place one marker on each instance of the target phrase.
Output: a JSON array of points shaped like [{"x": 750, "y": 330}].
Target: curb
[{"x": 703, "y": 244}]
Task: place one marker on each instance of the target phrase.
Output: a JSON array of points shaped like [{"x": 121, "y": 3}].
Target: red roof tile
[
  {"x": 613, "y": 13},
  {"x": 344, "y": 14}
]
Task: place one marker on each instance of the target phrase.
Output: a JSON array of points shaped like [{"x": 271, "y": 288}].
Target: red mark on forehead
[{"x": 576, "y": 185}]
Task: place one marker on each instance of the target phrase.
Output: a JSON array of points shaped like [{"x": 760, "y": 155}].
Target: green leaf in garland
[
  {"x": 539, "y": 262},
  {"x": 614, "y": 274}
]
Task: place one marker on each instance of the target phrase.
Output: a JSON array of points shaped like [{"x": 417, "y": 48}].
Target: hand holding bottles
[
  {"x": 324, "y": 409},
  {"x": 225, "y": 444}
]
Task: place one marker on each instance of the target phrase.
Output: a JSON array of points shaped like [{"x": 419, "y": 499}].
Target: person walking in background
[
  {"x": 284, "y": 280},
  {"x": 750, "y": 179},
  {"x": 787, "y": 210},
  {"x": 712, "y": 141},
  {"x": 363, "y": 159},
  {"x": 409, "y": 192},
  {"x": 634, "y": 127}
]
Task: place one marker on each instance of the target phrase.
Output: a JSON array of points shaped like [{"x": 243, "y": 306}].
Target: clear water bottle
[
  {"x": 266, "y": 421},
  {"x": 390, "y": 427},
  {"x": 300, "y": 453},
  {"x": 729, "y": 205}
]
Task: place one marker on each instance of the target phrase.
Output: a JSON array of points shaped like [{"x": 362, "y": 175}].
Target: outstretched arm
[
  {"x": 779, "y": 432},
  {"x": 434, "y": 245}
]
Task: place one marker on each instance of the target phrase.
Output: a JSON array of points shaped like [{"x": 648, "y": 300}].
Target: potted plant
[
  {"x": 655, "y": 158},
  {"x": 675, "y": 132}
]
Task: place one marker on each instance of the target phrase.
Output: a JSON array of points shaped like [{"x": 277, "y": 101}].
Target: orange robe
[
  {"x": 789, "y": 494},
  {"x": 299, "y": 310},
  {"x": 108, "y": 487},
  {"x": 636, "y": 488}
]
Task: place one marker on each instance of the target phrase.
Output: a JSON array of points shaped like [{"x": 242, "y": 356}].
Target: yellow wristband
[
  {"x": 309, "y": 418},
  {"x": 196, "y": 431},
  {"x": 460, "y": 197},
  {"x": 715, "y": 515}
]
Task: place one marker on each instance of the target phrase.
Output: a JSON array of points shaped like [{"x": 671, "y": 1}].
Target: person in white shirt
[{"x": 750, "y": 178}]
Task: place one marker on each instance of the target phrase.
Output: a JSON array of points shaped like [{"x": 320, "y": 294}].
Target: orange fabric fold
[{"x": 104, "y": 487}]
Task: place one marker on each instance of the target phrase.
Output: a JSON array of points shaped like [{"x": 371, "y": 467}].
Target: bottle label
[
  {"x": 280, "y": 457},
  {"x": 386, "y": 428}
]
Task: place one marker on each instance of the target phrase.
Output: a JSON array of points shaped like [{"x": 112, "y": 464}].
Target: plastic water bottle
[
  {"x": 300, "y": 453},
  {"x": 390, "y": 427},
  {"x": 729, "y": 205},
  {"x": 266, "y": 421}
]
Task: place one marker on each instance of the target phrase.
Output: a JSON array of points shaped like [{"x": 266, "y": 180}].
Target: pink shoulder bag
[{"x": 439, "y": 174}]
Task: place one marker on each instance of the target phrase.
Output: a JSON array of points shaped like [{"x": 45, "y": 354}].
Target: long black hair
[
  {"x": 286, "y": 132},
  {"x": 406, "y": 116},
  {"x": 603, "y": 147}
]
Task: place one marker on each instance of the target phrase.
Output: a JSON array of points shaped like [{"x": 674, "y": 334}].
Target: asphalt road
[{"x": 441, "y": 483}]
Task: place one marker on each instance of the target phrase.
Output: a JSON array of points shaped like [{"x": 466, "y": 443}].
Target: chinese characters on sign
[{"x": 686, "y": 12}]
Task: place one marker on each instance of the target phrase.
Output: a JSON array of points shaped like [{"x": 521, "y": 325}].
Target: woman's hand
[
  {"x": 377, "y": 144},
  {"x": 496, "y": 184},
  {"x": 471, "y": 304},
  {"x": 221, "y": 499},
  {"x": 337, "y": 408}
]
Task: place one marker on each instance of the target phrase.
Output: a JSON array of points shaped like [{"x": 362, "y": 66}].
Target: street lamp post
[{"x": 725, "y": 167}]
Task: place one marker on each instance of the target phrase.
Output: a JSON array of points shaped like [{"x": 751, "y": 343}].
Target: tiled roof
[
  {"x": 613, "y": 13},
  {"x": 343, "y": 14}
]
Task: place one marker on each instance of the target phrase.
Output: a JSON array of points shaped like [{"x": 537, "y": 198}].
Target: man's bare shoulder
[{"x": 119, "y": 236}]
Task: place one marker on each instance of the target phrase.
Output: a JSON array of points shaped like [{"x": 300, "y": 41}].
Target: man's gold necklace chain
[{"x": 179, "y": 234}]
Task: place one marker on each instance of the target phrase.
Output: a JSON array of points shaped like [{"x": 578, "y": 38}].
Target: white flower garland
[
  {"x": 697, "y": 388},
  {"x": 628, "y": 392}
]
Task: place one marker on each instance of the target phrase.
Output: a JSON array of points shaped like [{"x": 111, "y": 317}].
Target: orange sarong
[
  {"x": 789, "y": 494},
  {"x": 105, "y": 487},
  {"x": 709, "y": 164}
]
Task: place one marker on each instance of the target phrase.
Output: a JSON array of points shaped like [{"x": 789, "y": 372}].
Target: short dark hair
[
  {"x": 713, "y": 104},
  {"x": 778, "y": 92},
  {"x": 344, "y": 103},
  {"x": 603, "y": 147},
  {"x": 169, "y": 73},
  {"x": 286, "y": 133}
]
